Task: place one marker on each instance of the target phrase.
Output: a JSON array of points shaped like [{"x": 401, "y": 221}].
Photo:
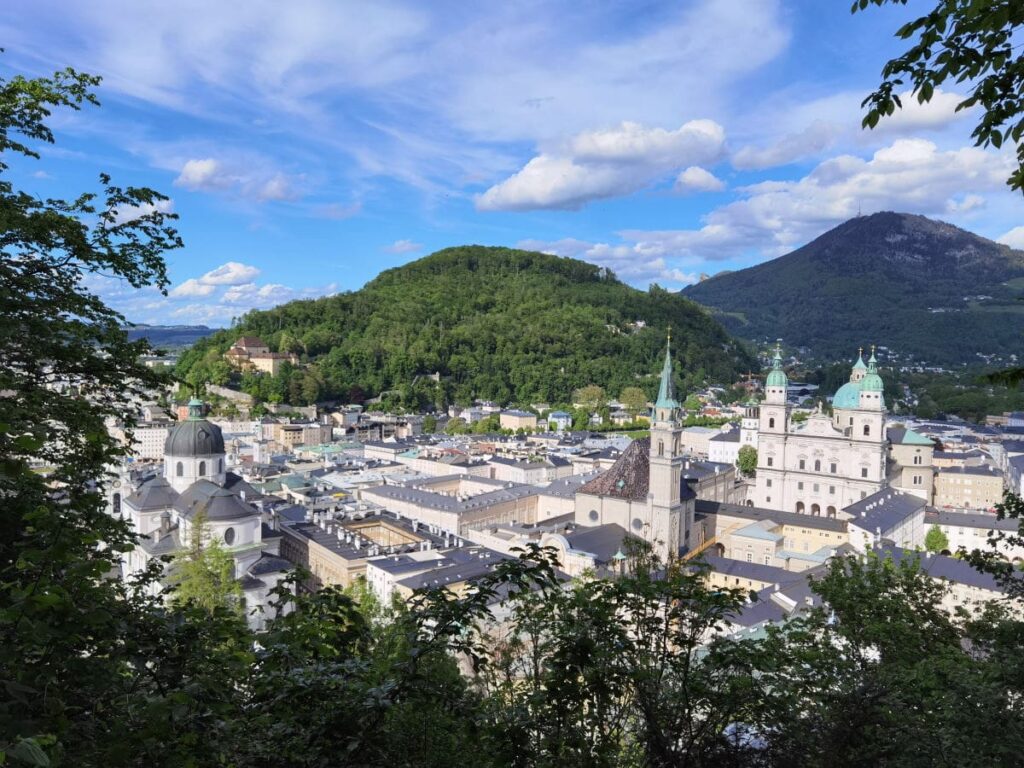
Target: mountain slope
[
  {"x": 495, "y": 323},
  {"x": 924, "y": 288}
]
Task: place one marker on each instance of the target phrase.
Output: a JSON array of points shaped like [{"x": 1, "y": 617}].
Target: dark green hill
[
  {"x": 496, "y": 323},
  {"x": 923, "y": 288}
]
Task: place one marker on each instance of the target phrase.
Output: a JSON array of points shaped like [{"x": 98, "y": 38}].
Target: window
[
  {"x": 594, "y": 516},
  {"x": 769, "y": 460},
  {"x": 917, "y": 479},
  {"x": 768, "y": 482},
  {"x": 767, "y": 559},
  {"x": 815, "y": 509},
  {"x": 831, "y": 490},
  {"x": 832, "y": 467},
  {"x": 638, "y": 524},
  {"x": 220, "y": 465},
  {"x": 863, "y": 471},
  {"x": 800, "y": 486},
  {"x": 202, "y": 468},
  {"x": 767, "y": 499},
  {"x": 661, "y": 447},
  {"x": 817, "y": 465},
  {"x": 917, "y": 459},
  {"x": 863, "y": 494},
  {"x": 817, "y": 488},
  {"x": 750, "y": 557},
  {"x": 851, "y": 421},
  {"x": 867, "y": 430},
  {"x": 771, "y": 423},
  {"x": 802, "y": 463},
  {"x": 180, "y": 469},
  {"x": 229, "y": 536},
  {"x": 800, "y": 507},
  {"x": 117, "y": 504}
]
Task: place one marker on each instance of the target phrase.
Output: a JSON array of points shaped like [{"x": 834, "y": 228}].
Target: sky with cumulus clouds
[{"x": 309, "y": 145}]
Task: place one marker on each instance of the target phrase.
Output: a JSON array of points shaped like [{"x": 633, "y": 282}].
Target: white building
[
  {"x": 824, "y": 464},
  {"x": 195, "y": 488}
]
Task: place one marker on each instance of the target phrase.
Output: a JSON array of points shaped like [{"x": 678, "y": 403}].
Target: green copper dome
[
  {"x": 847, "y": 396},
  {"x": 777, "y": 376},
  {"x": 872, "y": 382}
]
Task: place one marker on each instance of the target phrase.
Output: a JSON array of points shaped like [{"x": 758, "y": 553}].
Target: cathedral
[
  {"x": 645, "y": 491},
  {"x": 196, "y": 489},
  {"x": 827, "y": 462}
]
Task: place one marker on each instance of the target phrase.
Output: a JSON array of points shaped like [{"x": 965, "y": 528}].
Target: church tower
[
  {"x": 771, "y": 439},
  {"x": 669, "y": 523}
]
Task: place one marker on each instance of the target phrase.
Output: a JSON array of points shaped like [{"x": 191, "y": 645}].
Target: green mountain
[
  {"x": 923, "y": 288},
  {"x": 495, "y": 323}
]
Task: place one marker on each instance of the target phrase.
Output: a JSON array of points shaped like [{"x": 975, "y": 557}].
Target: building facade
[{"x": 826, "y": 463}]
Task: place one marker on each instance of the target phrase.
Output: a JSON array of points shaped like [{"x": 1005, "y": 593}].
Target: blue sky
[{"x": 309, "y": 145}]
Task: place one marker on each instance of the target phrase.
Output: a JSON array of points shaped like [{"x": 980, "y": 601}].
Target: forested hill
[
  {"x": 495, "y": 323},
  {"x": 921, "y": 287}
]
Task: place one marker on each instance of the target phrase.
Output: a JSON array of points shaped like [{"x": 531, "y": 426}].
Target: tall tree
[
  {"x": 935, "y": 540},
  {"x": 66, "y": 366},
  {"x": 204, "y": 573},
  {"x": 634, "y": 400}
]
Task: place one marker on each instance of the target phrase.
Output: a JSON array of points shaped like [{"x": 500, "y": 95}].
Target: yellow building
[{"x": 968, "y": 487}]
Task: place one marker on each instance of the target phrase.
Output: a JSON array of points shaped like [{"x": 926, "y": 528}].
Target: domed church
[
  {"x": 827, "y": 463},
  {"x": 196, "y": 489}
]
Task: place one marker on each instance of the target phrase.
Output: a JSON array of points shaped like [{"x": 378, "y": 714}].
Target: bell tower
[{"x": 669, "y": 523}]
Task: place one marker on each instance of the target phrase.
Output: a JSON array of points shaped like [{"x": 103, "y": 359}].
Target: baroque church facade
[
  {"x": 196, "y": 495},
  {"x": 827, "y": 462}
]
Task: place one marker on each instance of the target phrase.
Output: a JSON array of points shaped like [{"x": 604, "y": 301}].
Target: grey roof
[
  {"x": 602, "y": 541},
  {"x": 270, "y": 564},
  {"x": 942, "y": 567},
  {"x": 215, "y": 502},
  {"x": 977, "y": 470},
  {"x": 732, "y": 436},
  {"x": 444, "y": 503},
  {"x": 884, "y": 510},
  {"x": 155, "y": 493},
  {"x": 755, "y": 571},
  {"x": 194, "y": 437},
  {"x": 167, "y": 544},
  {"x": 970, "y": 520},
  {"x": 629, "y": 476},
  {"x": 1017, "y": 462},
  {"x": 566, "y": 487},
  {"x": 754, "y": 514},
  {"x": 455, "y": 572},
  {"x": 698, "y": 470}
]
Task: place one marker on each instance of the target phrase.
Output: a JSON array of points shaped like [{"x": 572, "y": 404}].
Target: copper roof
[{"x": 629, "y": 476}]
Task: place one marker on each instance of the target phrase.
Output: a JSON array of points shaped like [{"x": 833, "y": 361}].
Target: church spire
[{"x": 666, "y": 390}]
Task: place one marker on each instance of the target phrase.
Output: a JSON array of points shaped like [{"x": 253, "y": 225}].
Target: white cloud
[
  {"x": 601, "y": 164},
  {"x": 697, "y": 179},
  {"x": 774, "y": 217},
  {"x": 231, "y": 273},
  {"x": 192, "y": 287},
  {"x": 125, "y": 213},
  {"x": 403, "y": 246},
  {"x": 1014, "y": 238},
  {"x": 258, "y": 183},
  {"x": 815, "y": 138},
  {"x": 623, "y": 260}
]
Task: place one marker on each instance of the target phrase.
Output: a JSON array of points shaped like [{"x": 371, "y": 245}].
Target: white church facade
[
  {"x": 827, "y": 462},
  {"x": 196, "y": 489}
]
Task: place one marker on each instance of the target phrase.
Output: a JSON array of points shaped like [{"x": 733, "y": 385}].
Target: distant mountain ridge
[
  {"x": 921, "y": 287},
  {"x": 497, "y": 323},
  {"x": 168, "y": 335}
]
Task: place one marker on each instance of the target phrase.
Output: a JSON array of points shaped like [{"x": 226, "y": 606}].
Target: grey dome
[
  {"x": 214, "y": 502},
  {"x": 194, "y": 437}
]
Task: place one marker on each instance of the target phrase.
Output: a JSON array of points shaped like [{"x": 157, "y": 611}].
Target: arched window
[
  {"x": 917, "y": 459},
  {"x": 750, "y": 502},
  {"x": 800, "y": 507},
  {"x": 117, "y": 504},
  {"x": 815, "y": 509},
  {"x": 661, "y": 448},
  {"x": 867, "y": 430},
  {"x": 180, "y": 469},
  {"x": 831, "y": 511},
  {"x": 771, "y": 423},
  {"x": 817, "y": 465},
  {"x": 202, "y": 468},
  {"x": 220, "y": 465}
]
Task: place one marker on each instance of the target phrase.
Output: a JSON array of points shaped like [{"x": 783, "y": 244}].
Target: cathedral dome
[
  {"x": 847, "y": 396},
  {"x": 872, "y": 382},
  {"x": 195, "y": 436}
]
